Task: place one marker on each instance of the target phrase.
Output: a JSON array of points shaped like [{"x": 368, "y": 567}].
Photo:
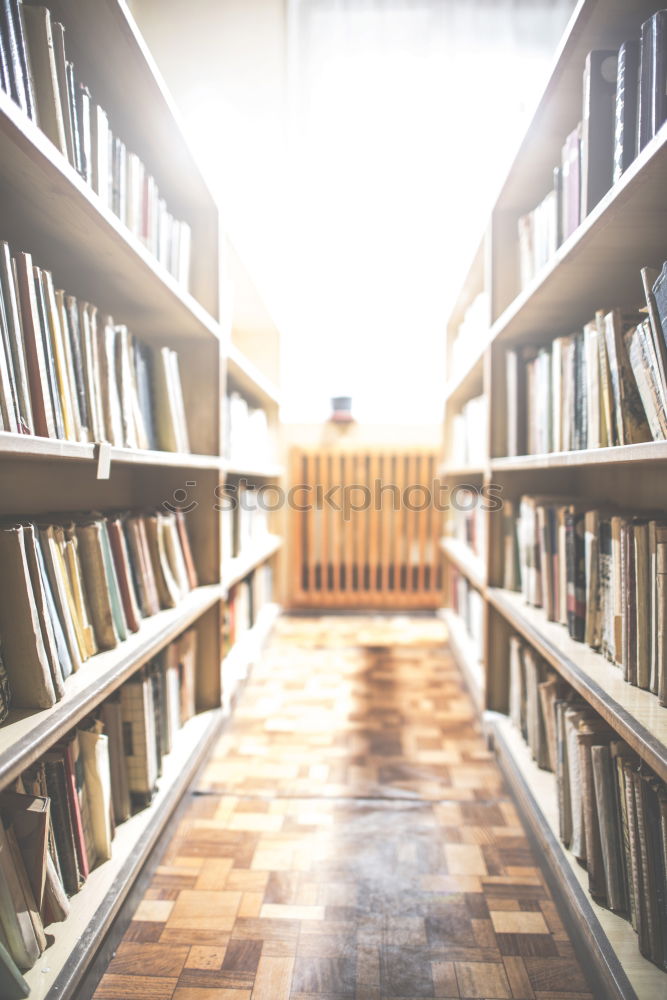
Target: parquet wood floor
[{"x": 350, "y": 838}]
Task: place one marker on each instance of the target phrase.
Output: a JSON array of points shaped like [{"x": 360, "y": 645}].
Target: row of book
[
  {"x": 612, "y": 808},
  {"x": 604, "y": 385},
  {"x": 600, "y": 572},
  {"x": 57, "y": 821},
  {"x": 469, "y": 433},
  {"x": 624, "y": 105},
  {"x": 38, "y": 76},
  {"x": 468, "y": 604},
  {"x": 73, "y": 586},
  {"x": 68, "y": 371},
  {"x": 466, "y": 522},
  {"x": 247, "y": 440},
  {"x": 244, "y": 603},
  {"x": 245, "y": 520}
]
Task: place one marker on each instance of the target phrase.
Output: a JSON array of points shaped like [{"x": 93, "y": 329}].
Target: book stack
[
  {"x": 468, "y": 604},
  {"x": 68, "y": 371},
  {"x": 601, "y": 386},
  {"x": 469, "y": 434},
  {"x": 466, "y": 521},
  {"x": 612, "y": 807},
  {"x": 73, "y": 586},
  {"x": 57, "y": 823},
  {"x": 624, "y": 105},
  {"x": 44, "y": 83},
  {"x": 245, "y": 521},
  {"x": 600, "y": 572},
  {"x": 244, "y": 604},
  {"x": 472, "y": 331},
  {"x": 247, "y": 440}
]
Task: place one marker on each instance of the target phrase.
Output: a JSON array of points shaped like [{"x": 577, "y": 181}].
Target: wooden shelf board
[
  {"x": 611, "y": 941},
  {"x": 28, "y": 734},
  {"x": 234, "y": 667},
  {"x": 25, "y": 447},
  {"x": 167, "y": 459},
  {"x": 467, "y": 382},
  {"x": 465, "y": 654},
  {"x": 250, "y": 379},
  {"x": 58, "y": 971},
  {"x": 634, "y": 713},
  {"x": 465, "y": 560},
  {"x": 239, "y": 567},
  {"x": 651, "y": 451},
  {"x": 262, "y": 471},
  {"x": 602, "y": 258},
  {"x": 50, "y": 211},
  {"x": 471, "y": 284}
]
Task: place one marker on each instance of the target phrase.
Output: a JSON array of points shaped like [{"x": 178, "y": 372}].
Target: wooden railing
[{"x": 364, "y": 531}]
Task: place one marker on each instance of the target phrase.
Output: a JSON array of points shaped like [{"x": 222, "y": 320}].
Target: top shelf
[{"x": 49, "y": 211}]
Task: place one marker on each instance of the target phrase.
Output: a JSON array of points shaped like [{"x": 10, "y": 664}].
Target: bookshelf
[
  {"x": 50, "y": 212},
  {"x": 597, "y": 266}
]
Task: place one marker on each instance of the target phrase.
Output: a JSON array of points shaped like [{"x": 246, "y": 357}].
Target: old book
[
  {"x": 49, "y": 355},
  {"x": 111, "y": 715},
  {"x": 29, "y": 816},
  {"x": 517, "y": 688},
  {"x": 139, "y": 737},
  {"x": 69, "y": 313},
  {"x": 174, "y": 552},
  {"x": 39, "y": 38},
  {"x": 56, "y": 783},
  {"x": 588, "y": 735},
  {"x": 59, "y": 588},
  {"x": 642, "y": 604},
  {"x": 571, "y": 183},
  {"x": 25, "y": 887},
  {"x": 55, "y": 903},
  {"x": 549, "y": 693},
  {"x": 143, "y": 365},
  {"x": 67, "y": 540},
  {"x": 83, "y": 113},
  {"x": 112, "y": 582},
  {"x": 58, "y": 36},
  {"x": 592, "y": 633},
  {"x": 124, "y": 573},
  {"x": 106, "y": 354},
  {"x": 93, "y": 566},
  {"x": 652, "y": 104},
  {"x": 186, "y": 649},
  {"x": 17, "y": 84},
  {"x": 653, "y": 873},
  {"x": 24, "y": 652},
  {"x": 64, "y": 358},
  {"x": 639, "y": 349},
  {"x": 70, "y": 80},
  {"x": 574, "y": 715},
  {"x": 94, "y": 750},
  {"x": 186, "y": 549},
  {"x": 125, "y": 387},
  {"x": 620, "y": 754},
  {"x": 608, "y": 812},
  {"x": 625, "y": 131},
  {"x": 142, "y": 565},
  {"x": 631, "y": 424},
  {"x": 99, "y": 141},
  {"x": 607, "y": 412},
  {"x": 14, "y": 334},
  {"x": 92, "y": 370},
  {"x": 547, "y": 541},
  {"x": 649, "y": 277},
  {"x": 79, "y": 806},
  {"x": 42, "y": 407},
  {"x": 661, "y": 613},
  {"x": 597, "y": 126},
  {"x": 17, "y": 925},
  {"x": 660, "y": 298},
  {"x": 5, "y": 689},
  {"x": 8, "y": 401},
  {"x": 168, "y": 588},
  {"x": 629, "y": 606},
  {"x": 575, "y": 555},
  {"x": 12, "y": 984}
]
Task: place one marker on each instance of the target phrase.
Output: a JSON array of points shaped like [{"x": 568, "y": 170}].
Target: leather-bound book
[
  {"x": 597, "y": 127},
  {"x": 625, "y": 130},
  {"x": 39, "y": 38}
]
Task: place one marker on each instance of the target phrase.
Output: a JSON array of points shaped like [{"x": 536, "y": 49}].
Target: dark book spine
[
  {"x": 62, "y": 825},
  {"x": 597, "y": 135},
  {"x": 17, "y": 82},
  {"x": 576, "y": 575},
  {"x": 625, "y": 132},
  {"x": 659, "y": 95},
  {"x": 644, "y": 102},
  {"x": 52, "y": 387},
  {"x": 22, "y": 50},
  {"x": 4, "y": 65}
]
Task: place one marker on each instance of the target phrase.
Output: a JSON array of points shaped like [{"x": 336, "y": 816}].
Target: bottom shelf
[
  {"x": 465, "y": 654},
  {"x": 244, "y": 652},
  {"x": 75, "y": 941},
  {"x": 610, "y": 939}
]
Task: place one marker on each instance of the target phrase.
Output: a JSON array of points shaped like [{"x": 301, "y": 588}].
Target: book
[
  {"x": 597, "y": 127},
  {"x": 94, "y": 751},
  {"x": 625, "y": 113},
  {"x": 15, "y": 919},
  {"x": 12, "y": 984},
  {"x": 111, "y": 717},
  {"x": 40, "y": 45}
]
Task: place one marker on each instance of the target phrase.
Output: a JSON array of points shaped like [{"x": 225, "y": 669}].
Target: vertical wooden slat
[
  {"x": 335, "y": 535},
  {"x": 311, "y": 545},
  {"x": 296, "y": 534},
  {"x": 374, "y": 527},
  {"x": 424, "y": 478},
  {"x": 325, "y": 535}
]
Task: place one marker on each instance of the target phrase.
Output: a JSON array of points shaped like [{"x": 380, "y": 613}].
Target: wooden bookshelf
[
  {"x": 50, "y": 212},
  {"x": 246, "y": 650},
  {"x": 598, "y": 266},
  {"x": 465, "y": 654}
]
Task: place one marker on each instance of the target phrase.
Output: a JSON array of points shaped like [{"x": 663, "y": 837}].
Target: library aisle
[{"x": 350, "y": 837}]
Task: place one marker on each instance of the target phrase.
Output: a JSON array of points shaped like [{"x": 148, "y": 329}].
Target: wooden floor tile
[{"x": 351, "y": 840}]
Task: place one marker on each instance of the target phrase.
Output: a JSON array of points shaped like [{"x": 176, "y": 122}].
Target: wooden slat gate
[{"x": 364, "y": 530}]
